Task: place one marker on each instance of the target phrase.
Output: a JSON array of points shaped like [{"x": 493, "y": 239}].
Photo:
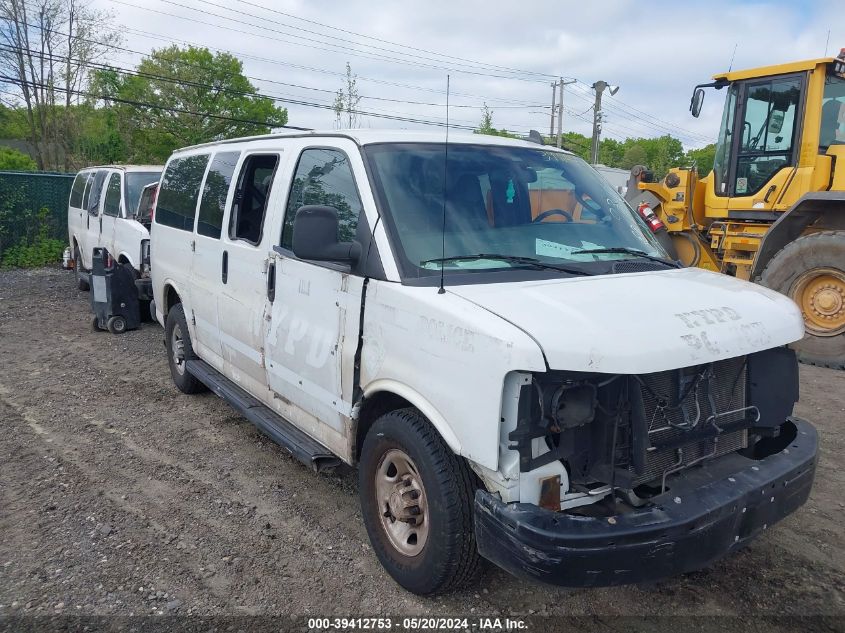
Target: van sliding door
[{"x": 241, "y": 302}]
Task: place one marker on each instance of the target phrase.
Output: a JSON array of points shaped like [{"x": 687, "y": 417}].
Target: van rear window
[{"x": 179, "y": 191}]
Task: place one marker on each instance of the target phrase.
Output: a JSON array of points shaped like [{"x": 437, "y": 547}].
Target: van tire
[
  {"x": 176, "y": 331},
  {"x": 81, "y": 284},
  {"x": 448, "y": 559}
]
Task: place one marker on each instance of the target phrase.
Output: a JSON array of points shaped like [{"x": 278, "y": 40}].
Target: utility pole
[
  {"x": 552, "y": 124},
  {"x": 560, "y": 114},
  {"x": 599, "y": 87},
  {"x": 561, "y": 83}
]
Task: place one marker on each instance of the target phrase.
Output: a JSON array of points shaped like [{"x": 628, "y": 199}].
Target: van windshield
[
  {"x": 531, "y": 208},
  {"x": 135, "y": 182}
]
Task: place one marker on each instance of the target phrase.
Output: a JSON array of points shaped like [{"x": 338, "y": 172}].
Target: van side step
[{"x": 299, "y": 444}]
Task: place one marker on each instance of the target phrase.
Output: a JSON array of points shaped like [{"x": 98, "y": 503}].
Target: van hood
[{"x": 642, "y": 322}]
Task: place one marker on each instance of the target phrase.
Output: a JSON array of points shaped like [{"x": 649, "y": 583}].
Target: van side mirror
[
  {"x": 696, "y": 101},
  {"x": 315, "y": 236}
]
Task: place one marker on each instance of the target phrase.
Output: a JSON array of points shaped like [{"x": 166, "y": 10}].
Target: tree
[
  {"x": 634, "y": 155},
  {"x": 346, "y": 101},
  {"x": 13, "y": 160},
  {"x": 47, "y": 47},
  {"x": 182, "y": 97},
  {"x": 703, "y": 159},
  {"x": 486, "y": 125}
]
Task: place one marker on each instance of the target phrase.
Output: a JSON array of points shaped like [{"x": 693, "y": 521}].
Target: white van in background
[
  {"x": 101, "y": 212},
  {"x": 490, "y": 333}
]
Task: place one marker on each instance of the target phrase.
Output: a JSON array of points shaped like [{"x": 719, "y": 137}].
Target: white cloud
[{"x": 656, "y": 53}]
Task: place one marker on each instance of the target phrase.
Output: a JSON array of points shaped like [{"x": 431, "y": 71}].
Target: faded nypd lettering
[{"x": 743, "y": 335}]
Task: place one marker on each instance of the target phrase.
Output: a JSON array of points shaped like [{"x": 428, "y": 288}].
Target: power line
[
  {"x": 324, "y": 71},
  {"x": 523, "y": 104},
  {"x": 370, "y": 37},
  {"x": 104, "y": 97},
  {"x": 83, "y": 93},
  {"x": 470, "y": 63},
  {"x": 342, "y": 49},
  {"x": 385, "y": 114},
  {"x": 645, "y": 119},
  {"x": 630, "y": 112}
]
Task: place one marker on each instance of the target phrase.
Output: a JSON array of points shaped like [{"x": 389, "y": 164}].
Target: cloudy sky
[{"x": 505, "y": 54}]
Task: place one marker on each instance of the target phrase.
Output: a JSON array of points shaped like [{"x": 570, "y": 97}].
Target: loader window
[
  {"x": 722, "y": 163},
  {"x": 768, "y": 132},
  {"x": 833, "y": 114}
]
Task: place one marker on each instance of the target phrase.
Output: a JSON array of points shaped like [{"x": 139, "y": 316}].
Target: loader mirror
[{"x": 696, "y": 101}]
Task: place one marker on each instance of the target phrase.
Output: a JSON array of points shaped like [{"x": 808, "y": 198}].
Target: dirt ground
[{"x": 119, "y": 495}]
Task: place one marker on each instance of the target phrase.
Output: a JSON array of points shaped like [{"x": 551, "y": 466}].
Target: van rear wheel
[
  {"x": 417, "y": 504},
  {"x": 179, "y": 350}
]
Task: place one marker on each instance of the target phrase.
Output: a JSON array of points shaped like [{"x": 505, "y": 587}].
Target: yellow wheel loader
[{"x": 772, "y": 210}]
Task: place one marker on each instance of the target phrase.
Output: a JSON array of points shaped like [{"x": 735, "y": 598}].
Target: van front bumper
[{"x": 708, "y": 511}]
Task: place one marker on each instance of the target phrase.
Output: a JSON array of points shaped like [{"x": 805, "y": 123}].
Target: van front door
[
  {"x": 110, "y": 212},
  {"x": 94, "y": 209},
  {"x": 312, "y": 335},
  {"x": 244, "y": 258}
]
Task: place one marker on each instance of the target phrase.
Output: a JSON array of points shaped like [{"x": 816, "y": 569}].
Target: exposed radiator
[{"x": 718, "y": 388}]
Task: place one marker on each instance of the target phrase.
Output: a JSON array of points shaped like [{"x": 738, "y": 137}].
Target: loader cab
[{"x": 778, "y": 126}]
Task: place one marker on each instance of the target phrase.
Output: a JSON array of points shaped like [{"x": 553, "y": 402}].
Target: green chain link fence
[{"x": 33, "y": 217}]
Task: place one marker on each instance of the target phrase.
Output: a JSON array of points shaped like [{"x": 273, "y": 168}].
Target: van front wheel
[
  {"x": 177, "y": 339},
  {"x": 417, "y": 504}
]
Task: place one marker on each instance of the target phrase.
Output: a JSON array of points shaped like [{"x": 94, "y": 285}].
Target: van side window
[
  {"x": 179, "y": 190},
  {"x": 213, "y": 204},
  {"x": 86, "y": 194},
  {"x": 324, "y": 177},
  {"x": 93, "y": 206},
  {"x": 78, "y": 189},
  {"x": 111, "y": 205},
  {"x": 250, "y": 203}
]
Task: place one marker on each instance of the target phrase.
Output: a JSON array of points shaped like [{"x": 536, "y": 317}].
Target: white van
[
  {"x": 495, "y": 339},
  {"x": 101, "y": 212}
]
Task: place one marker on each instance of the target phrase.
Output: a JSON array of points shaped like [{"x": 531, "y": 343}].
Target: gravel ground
[{"x": 121, "y": 496}]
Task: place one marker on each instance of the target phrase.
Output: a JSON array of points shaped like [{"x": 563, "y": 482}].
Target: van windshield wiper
[
  {"x": 513, "y": 259},
  {"x": 629, "y": 251}
]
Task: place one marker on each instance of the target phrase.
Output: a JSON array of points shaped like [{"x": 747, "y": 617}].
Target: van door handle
[
  {"x": 225, "y": 272},
  {"x": 271, "y": 282}
]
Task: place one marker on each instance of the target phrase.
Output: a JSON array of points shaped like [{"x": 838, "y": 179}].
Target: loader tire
[{"x": 811, "y": 272}]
